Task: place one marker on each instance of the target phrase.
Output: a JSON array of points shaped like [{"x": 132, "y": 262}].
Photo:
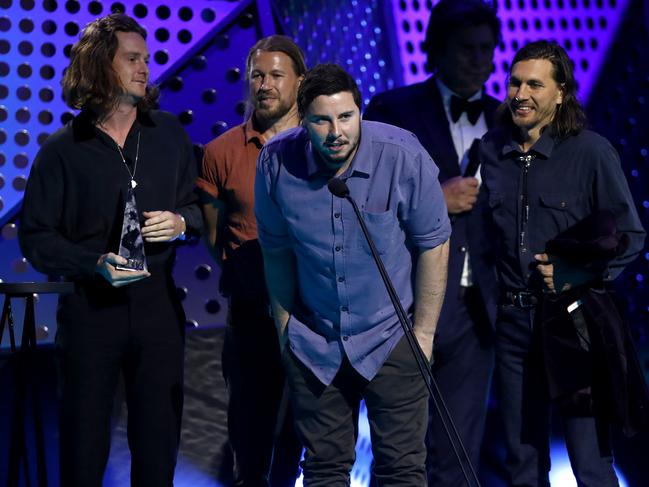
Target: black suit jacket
[{"x": 419, "y": 109}]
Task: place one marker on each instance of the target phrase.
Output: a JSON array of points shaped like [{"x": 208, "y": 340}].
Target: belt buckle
[{"x": 524, "y": 300}]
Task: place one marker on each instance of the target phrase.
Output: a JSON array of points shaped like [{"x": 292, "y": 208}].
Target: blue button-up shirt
[{"x": 344, "y": 308}]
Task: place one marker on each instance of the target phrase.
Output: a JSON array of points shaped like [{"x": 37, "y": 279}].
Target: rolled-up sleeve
[
  {"x": 271, "y": 225},
  {"x": 424, "y": 213}
]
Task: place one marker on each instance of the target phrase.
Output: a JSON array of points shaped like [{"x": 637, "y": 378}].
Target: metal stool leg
[
  {"x": 8, "y": 317},
  {"x": 29, "y": 337}
]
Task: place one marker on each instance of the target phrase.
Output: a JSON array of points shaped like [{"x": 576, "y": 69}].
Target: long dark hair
[
  {"x": 90, "y": 82},
  {"x": 570, "y": 117}
]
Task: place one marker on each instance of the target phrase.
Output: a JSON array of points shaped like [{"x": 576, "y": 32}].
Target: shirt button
[
  {"x": 462, "y": 248},
  {"x": 344, "y": 309},
  {"x": 345, "y": 338},
  {"x": 336, "y": 215},
  {"x": 563, "y": 204},
  {"x": 337, "y": 248},
  {"x": 341, "y": 279}
]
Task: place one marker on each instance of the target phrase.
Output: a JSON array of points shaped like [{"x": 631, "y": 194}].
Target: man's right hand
[
  {"x": 460, "y": 193},
  {"x": 106, "y": 267}
]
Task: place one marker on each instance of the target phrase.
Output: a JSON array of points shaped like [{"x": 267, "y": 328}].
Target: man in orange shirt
[{"x": 251, "y": 360}]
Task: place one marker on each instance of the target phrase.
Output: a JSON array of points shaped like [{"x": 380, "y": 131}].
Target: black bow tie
[{"x": 459, "y": 105}]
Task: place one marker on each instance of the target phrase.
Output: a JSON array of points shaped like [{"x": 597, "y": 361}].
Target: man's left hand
[
  {"x": 559, "y": 276},
  {"x": 162, "y": 226},
  {"x": 425, "y": 342}
]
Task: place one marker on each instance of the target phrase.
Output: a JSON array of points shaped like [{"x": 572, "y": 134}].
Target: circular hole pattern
[
  {"x": 24, "y": 93},
  {"x": 208, "y": 15},
  {"x": 118, "y": 7},
  {"x": 140, "y": 10},
  {"x": 50, "y": 5},
  {"x": 47, "y": 72},
  {"x": 71, "y": 28},
  {"x": 46, "y": 94},
  {"x": 19, "y": 183},
  {"x": 23, "y": 115},
  {"x": 26, "y": 25},
  {"x": 212, "y": 306},
  {"x": 181, "y": 292},
  {"x": 25, "y": 48},
  {"x": 72, "y": 7},
  {"x": 202, "y": 272},
  {"x": 45, "y": 117},
  {"x": 22, "y": 138},
  {"x": 95, "y": 8},
  {"x": 24, "y": 70},
  {"x": 233, "y": 75},
  {"x": 48, "y": 27},
  {"x": 48, "y": 49},
  {"x": 186, "y": 117},
  {"x": 161, "y": 57},
  {"x": 209, "y": 96},
  {"x": 185, "y": 13},
  {"x": 184, "y": 36},
  {"x": 21, "y": 160},
  {"x": 162, "y": 34},
  {"x": 163, "y": 12}
]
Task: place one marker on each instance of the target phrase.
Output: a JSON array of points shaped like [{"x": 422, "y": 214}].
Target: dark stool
[{"x": 22, "y": 373}]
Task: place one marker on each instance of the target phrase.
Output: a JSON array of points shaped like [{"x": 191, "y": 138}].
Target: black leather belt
[{"x": 520, "y": 299}]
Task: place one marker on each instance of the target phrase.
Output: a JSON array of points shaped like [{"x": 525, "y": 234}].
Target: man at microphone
[
  {"x": 339, "y": 333},
  {"x": 448, "y": 113}
]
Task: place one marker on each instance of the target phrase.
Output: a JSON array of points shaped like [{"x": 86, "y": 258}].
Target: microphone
[
  {"x": 339, "y": 189},
  {"x": 473, "y": 158}
]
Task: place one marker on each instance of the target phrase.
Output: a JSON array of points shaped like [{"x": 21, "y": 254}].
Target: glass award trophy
[{"x": 131, "y": 245}]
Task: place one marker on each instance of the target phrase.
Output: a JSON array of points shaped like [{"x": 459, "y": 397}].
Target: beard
[{"x": 273, "y": 111}]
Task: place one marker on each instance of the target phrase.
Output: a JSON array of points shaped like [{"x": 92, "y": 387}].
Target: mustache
[
  {"x": 516, "y": 103},
  {"x": 262, "y": 95}
]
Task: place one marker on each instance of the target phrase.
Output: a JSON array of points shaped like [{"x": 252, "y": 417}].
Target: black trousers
[
  {"x": 137, "y": 330},
  {"x": 326, "y": 419},
  {"x": 525, "y": 410},
  {"x": 463, "y": 365},
  {"x": 253, "y": 372}
]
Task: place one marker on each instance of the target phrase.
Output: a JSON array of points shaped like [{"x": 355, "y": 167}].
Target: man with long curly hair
[{"x": 79, "y": 211}]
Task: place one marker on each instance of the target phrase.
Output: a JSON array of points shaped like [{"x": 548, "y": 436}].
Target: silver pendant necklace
[{"x": 137, "y": 154}]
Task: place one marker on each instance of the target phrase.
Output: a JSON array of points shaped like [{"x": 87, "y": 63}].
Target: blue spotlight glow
[{"x": 561, "y": 473}]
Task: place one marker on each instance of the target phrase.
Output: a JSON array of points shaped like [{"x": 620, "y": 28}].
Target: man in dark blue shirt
[
  {"x": 330, "y": 306},
  {"x": 542, "y": 174}
]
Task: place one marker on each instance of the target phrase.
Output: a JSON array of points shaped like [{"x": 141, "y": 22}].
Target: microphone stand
[{"x": 338, "y": 188}]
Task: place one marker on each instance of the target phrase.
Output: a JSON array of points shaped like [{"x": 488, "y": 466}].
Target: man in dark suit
[{"x": 448, "y": 112}]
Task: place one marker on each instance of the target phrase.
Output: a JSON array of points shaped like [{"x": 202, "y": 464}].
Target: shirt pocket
[
  {"x": 558, "y": 211},
  {"x": 384, "y": 230},
  {"x": 501, "y": 216}
]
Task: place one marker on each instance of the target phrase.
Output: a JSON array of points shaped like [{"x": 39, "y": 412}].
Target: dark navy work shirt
[
  {"x": 344, "y": 307},
  {"x": 533, "y": 197}
]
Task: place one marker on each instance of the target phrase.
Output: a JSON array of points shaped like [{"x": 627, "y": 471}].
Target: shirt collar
[
  {"x": 361, "y": 164},
  {"x": 250, "y": 133},
  {"x": 84, "y": 128},
  {"x": 447, "y": 93},
  {"x": 543, "y": 147}
]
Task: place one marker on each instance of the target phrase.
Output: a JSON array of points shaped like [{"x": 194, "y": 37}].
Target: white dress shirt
[{"x": 463, "y": 134}]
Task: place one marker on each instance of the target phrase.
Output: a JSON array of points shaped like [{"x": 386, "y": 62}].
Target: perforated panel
[
  {"x": 352, "y": 34},
  {"x": 36, "y": 38},
  {"x": 585, "y": 28}
]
